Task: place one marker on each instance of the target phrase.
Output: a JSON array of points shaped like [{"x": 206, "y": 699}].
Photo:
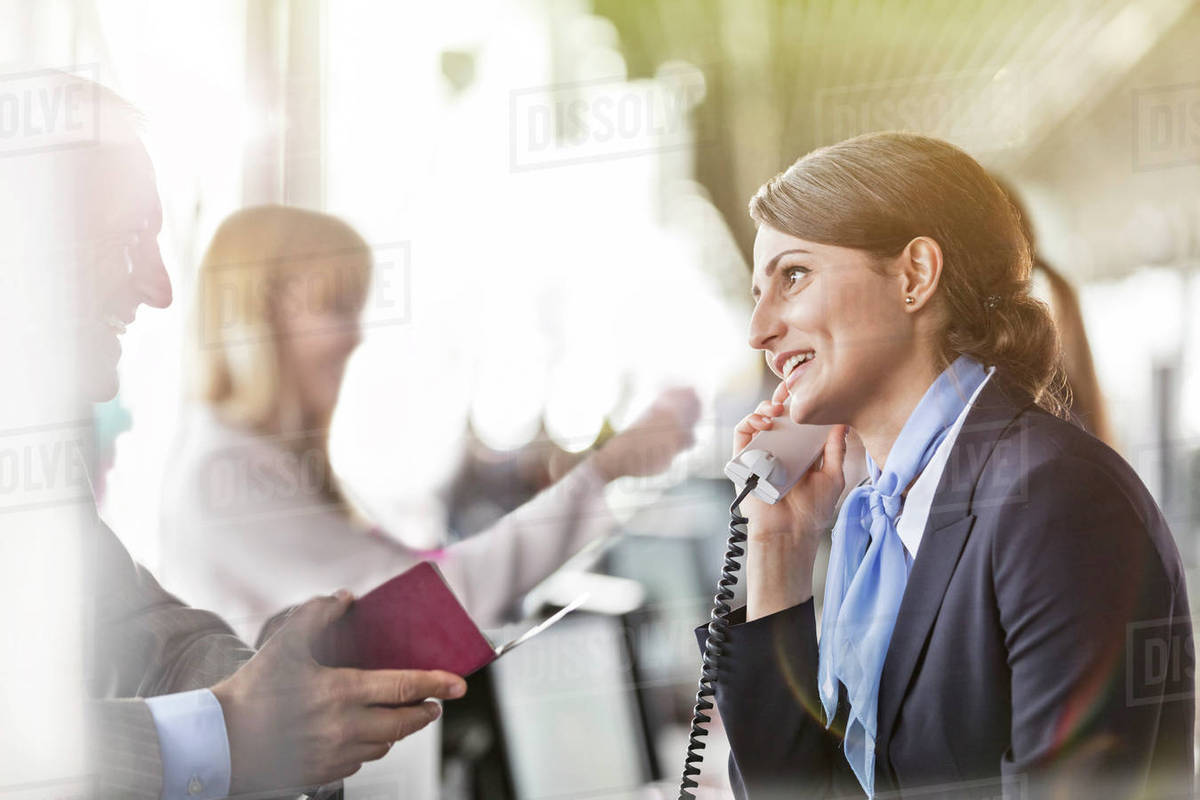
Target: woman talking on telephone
[{"x": 1005, "y": 612}]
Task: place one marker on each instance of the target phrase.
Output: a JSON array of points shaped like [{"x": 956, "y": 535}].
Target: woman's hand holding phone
[{"x": 783, "y": 538}]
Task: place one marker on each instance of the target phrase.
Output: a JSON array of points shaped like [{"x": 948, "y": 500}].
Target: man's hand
[
  {"x": 294, "y": 723},
  {"x": 647, "y": 446}
]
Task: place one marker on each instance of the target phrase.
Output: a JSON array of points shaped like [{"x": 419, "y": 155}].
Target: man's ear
[{"x": 920, "y": 270}]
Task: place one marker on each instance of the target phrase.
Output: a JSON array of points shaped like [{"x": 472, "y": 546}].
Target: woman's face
[
  {"x": 831, "y": 322},
  {"x": 318, "y": 325}
]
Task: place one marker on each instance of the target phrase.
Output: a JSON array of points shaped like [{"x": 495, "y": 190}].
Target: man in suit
[{"x": 179, "y": 706}]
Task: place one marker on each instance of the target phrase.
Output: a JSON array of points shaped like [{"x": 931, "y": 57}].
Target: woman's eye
[{"x": 793, "y": 275}]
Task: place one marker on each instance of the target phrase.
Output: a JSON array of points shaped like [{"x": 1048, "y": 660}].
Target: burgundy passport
[{"x": 413, "y": 621}]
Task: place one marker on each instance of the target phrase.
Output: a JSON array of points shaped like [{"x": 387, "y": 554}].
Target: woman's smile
[{"x": 796, "y": 368}]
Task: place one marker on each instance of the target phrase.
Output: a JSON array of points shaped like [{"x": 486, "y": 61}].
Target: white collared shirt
[{"x": 910, "y": 525}]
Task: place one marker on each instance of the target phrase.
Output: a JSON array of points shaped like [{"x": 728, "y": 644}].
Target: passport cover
[{"x": 412, "y": 621}]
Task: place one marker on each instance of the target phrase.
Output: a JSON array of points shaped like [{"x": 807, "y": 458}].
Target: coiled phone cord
[{"x": 718, "y": 635}]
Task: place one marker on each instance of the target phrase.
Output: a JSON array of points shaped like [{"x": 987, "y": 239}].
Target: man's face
[{"x": 120, "y": 266}]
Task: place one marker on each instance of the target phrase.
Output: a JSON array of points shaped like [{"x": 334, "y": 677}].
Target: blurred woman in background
[
  {"x": 983, "y": 584},
  {"x": 1083, "y": 387},
  {"x": 254, "y": 520}
]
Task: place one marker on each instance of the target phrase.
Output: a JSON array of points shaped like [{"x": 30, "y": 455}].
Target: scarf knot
[
  {"x": 883, "y": 506},
  {"x": 868, "y": 567}
]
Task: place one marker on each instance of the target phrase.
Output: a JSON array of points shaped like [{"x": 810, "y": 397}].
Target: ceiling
[{"x": 1015, "y": 83}]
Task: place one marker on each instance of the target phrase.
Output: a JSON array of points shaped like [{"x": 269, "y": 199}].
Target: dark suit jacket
[{"x": 1043, "y": 646}]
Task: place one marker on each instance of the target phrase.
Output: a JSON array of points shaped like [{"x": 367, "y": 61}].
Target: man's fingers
[
  {"x": 416, "y": 717},
  {"x": 389, "y": 724},
  {"x": 364, "y": 751},
  {"x": 404, "y": 686},
  {"x": 307, "y": 621},
  {"x": 344, "y": 770}
]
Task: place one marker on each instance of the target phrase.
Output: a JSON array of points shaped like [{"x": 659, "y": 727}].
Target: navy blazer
[{"x": 1043, "y": 646}]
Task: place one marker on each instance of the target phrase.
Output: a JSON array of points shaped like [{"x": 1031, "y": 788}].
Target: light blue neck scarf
[{"x": 868, "y": 570}]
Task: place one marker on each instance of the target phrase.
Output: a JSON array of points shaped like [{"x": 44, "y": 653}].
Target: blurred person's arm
[
  {"x": 251, "y": 551},
  {"x": 490, "y": 570},
  {"x": 487, "y": 572},
  {"x": 510, "y": 558}
]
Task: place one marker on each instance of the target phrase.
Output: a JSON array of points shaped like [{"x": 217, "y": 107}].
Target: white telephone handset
[
  {"x": 775, "y": 459},
  {"x": 778, "y": 456}
]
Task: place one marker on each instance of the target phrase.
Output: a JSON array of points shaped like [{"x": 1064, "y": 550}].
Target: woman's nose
[{"x": 765, "y": 325}]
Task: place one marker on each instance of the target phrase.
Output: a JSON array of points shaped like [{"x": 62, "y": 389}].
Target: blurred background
[{"x": 555, "y": 192}]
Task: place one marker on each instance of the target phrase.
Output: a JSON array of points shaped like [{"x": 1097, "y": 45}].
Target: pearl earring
[{"x": 910, "y": 300}]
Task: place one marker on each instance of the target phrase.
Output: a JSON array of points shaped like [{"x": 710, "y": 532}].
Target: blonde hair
[{"x": 253, "y": 261}]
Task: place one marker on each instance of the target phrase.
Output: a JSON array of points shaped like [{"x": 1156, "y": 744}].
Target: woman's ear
[{"x": 920, "y": 271}]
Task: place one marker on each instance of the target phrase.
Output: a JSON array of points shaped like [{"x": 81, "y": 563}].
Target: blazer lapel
[{"x": 946, "y": 531}]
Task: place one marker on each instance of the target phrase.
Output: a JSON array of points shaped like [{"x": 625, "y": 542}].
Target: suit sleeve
[
  {"x": 767, "y": 697},
  {"x": 144, "y": 643},
  {"x": 490, "y": 570},
  {"x": 122, "y": 750},
  {"x": 1094, "y": 611}
]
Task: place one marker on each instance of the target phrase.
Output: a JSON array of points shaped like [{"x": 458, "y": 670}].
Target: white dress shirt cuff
[{"x": 193, "y": 744}]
